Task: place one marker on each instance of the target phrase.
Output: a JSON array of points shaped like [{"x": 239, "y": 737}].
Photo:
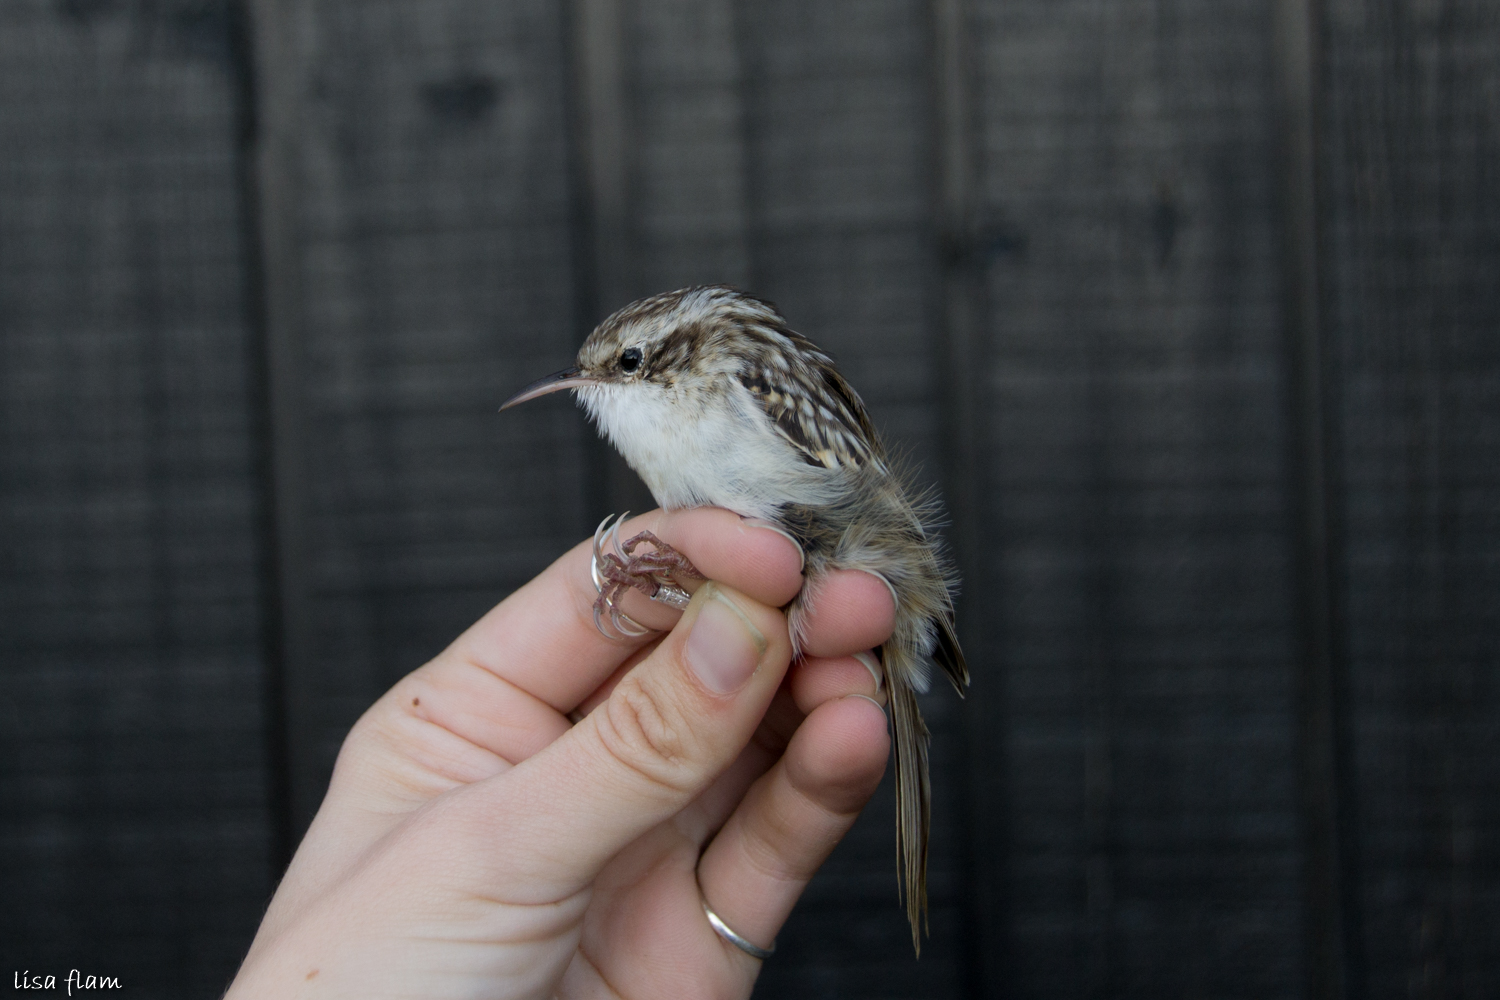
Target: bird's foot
[
  {"x": 655, "y": 574},
  {"x": 664, "y": 565}
]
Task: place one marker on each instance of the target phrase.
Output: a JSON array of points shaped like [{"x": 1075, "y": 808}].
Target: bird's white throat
[{"x": 714, "y": 448}]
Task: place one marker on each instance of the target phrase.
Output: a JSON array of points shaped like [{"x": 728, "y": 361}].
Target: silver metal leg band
[{"x": 724, "y": 931}]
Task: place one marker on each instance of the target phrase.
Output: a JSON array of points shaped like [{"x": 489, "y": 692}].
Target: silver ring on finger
[{"x": 729, "y": 934}]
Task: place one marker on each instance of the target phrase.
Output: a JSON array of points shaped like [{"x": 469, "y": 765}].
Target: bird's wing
[
  {"x": 817, "y": 412},
  {"x": 950, "y": 656}
]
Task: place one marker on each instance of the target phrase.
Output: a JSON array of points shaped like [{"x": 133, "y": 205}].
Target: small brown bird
[{"x": 714, "y": 400}]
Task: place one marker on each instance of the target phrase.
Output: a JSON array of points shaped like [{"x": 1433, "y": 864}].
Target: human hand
[{"x": 474, "y": 842}]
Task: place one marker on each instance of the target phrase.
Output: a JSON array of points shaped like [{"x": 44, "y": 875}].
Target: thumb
[{"x": 669, "y": 728}]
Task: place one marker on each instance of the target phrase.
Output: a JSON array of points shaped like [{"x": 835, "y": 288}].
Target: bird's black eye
[{"x": 630, "y": 359}]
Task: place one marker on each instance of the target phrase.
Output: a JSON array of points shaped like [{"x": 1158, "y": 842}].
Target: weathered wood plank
[
  {"x": 1412, "y": 220},
  {"x": 1136, "y": 522},
  {"x": 425, "y": 217},
  {"x": 134, "y": 839}
]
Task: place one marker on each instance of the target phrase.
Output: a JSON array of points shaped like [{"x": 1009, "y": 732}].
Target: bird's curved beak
[{"x": 568, "y": 378}]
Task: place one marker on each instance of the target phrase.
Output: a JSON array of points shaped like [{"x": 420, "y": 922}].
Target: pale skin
[{"x": 475, "y": 842}]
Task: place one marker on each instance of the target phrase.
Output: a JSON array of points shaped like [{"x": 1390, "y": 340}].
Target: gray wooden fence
[{"x": 1191, "y": 308}]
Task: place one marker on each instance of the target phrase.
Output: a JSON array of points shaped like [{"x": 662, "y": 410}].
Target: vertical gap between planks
[
  {"x": 748, "y": 94},
  {"x": 960, "y": 305},
  {"x": 580, "y": 33},
  {"x": 257, "y": 363},
  {"x": 273, "y": 94},
  {"x": 602, "y": 139},
  {"x": 603, "y": 153},
  {"x": 1330, "y": 963}
]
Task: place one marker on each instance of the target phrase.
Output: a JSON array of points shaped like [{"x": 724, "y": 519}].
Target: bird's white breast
[{"x": 712, "y": 448}]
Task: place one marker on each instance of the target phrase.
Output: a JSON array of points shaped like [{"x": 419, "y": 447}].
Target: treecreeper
[{"x": 715, "y": 401}]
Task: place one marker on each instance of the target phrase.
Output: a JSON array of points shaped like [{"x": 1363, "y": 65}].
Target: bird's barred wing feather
[{"x": 814, "y": 409}]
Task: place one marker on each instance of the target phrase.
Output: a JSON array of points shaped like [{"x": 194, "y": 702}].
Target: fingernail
[
  {"x": 895, "y": 601},
  {"x": 872, "y": 701},
  {"x": 756, "y": 522},
  {"x": 724, "y": 647},
  {"x": 873, "y": 666}
]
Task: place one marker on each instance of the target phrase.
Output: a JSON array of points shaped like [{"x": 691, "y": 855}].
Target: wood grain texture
[
  {"x": 134, "y": 836},
  {"x": 1412, "y": 217},
  {"x": 1136, "y": 525}
]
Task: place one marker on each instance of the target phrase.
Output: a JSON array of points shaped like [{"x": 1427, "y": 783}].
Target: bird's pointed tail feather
[{"x": 913, "y": 795}]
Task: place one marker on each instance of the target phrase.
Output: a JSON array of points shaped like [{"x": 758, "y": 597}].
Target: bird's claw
[{"x": 653, "y": 573}]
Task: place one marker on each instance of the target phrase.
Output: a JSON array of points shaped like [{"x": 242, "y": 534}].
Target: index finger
[{"x": 542, "y": 639}]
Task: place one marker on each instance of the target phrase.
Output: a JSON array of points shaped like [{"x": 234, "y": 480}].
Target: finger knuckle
[{"x": 645, "y": 733}]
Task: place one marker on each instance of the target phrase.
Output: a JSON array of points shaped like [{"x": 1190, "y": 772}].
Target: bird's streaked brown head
[{"x": 662, "y": 339}]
